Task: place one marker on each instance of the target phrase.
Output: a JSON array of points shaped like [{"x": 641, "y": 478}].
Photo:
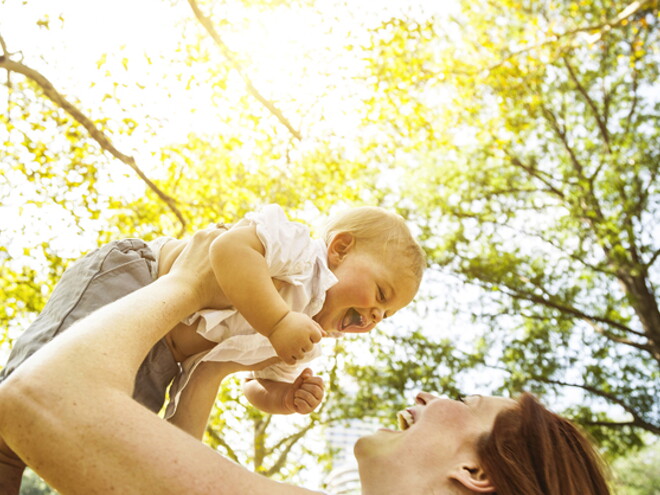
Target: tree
[
  {"x": 520, "y": 141},
  {"x": 33, "y": 485},
  {"x": 638, "y": 473},
  {"x": 539, "y": 184}
]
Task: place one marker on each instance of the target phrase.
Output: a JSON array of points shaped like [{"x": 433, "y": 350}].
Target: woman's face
[{"x": 435, "y": 432}]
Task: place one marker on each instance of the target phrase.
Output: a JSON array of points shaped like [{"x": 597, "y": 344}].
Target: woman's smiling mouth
[{"x": 406, "y": 419}]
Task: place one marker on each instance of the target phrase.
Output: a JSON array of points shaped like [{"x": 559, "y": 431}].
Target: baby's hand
[
  {"x": 305, "y": 393},
  {"x": 294, "y": 336}
]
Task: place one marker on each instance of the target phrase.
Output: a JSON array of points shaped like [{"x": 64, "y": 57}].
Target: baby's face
[{"x": 369, "y": 289}]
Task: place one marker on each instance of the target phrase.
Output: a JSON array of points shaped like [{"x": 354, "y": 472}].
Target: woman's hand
[{"x": 192, "y": 268}]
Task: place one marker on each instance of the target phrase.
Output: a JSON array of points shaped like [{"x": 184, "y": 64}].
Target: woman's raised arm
[{"x": 77, "y": 425}]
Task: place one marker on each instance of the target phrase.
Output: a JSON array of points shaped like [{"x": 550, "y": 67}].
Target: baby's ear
[{"x": 339, "y": 247}]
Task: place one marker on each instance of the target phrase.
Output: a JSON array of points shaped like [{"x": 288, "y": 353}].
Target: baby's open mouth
[{"x": 351, "y": 318}]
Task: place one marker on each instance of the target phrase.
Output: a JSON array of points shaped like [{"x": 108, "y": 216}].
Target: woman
[{"x": 84, "y": 434}]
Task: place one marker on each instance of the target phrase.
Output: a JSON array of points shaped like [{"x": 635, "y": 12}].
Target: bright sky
[
  {"x": 279, "y": 43},
  {"x": 293, "y": 53}
]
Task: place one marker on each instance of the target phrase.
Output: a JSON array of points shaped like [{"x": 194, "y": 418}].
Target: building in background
[{"x": 344, "y": 478}]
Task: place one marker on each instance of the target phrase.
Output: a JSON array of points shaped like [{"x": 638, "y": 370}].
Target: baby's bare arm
[
  {"x": 302, "y": 396},
  {"x": 237, "y": 259}
]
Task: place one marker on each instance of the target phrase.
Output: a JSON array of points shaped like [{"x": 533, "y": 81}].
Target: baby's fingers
[
  {"x": 317, "y": 333},
  {"x": 314, "y": 385},
  {"x": 305, "y": 402},
  {"x": 287, "y": 358}
]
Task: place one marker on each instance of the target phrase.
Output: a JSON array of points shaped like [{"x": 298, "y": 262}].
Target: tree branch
[
  {"x": 95, "y": 133},
  {"x": 290, "y": 442},
  {"x": 534, "y": 173},
  {"x": 638, "y": 421},
  {"x": 654, "y": 257},
  {"x": 577, "y": 165},
  {"x": 6, "y": 55},
  {"x": 561, "y": 132},
  {"x": 629, "y": 11},
  {"x": 635, "y": 95},
  {"x": 614, "y": 338},
  {"x": 3, "y": 45},
  {"x": 601, "y": 124},
  {"x": 217, "y": 438},
  {"x": 561, "y": 250},
  {"x": 208, "y": 25},
  {"x": 516, "y": 294},
  {"x": 597, "y": 29}
]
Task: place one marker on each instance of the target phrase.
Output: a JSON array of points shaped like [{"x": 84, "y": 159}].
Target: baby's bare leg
[{"x": 184, "y": 341}]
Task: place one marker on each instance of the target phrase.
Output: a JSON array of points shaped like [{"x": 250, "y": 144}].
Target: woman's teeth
[{"x": 406, "y": 419}]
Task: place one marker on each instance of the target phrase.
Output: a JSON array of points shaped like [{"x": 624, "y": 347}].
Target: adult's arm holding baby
[{"x": 77, "y": 425}]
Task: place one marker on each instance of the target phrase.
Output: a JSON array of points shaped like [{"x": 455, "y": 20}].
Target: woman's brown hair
[{"x": 533, "y": 451}]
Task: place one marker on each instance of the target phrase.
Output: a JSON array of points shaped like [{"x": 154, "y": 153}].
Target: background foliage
[{"x": 520, "y": 140}]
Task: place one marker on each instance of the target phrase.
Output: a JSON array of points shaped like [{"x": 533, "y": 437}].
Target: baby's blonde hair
[{"x": 382, "y": 230}]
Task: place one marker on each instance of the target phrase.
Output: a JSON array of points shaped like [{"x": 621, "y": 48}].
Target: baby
[{"x": 281, "y": 292}]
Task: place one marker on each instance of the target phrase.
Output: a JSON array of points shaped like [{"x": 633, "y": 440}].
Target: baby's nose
[{"x": 377, "y": 315}]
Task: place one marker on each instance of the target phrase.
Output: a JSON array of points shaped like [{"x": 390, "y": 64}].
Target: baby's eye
[{"x": 381, "y": 295}]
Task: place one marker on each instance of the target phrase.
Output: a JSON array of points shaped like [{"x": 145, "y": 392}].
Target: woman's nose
[{"x": 424, "y": 398}]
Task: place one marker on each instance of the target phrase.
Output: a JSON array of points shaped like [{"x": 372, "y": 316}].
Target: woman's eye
[{"x": 460, "y": 398}]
